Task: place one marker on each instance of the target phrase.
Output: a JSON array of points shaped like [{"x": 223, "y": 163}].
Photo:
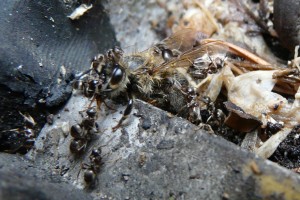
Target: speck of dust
[
  {"x": 51, "y": 19},
  {"x": 20, "y": 67},
  {"x": 258, "y": 81}
]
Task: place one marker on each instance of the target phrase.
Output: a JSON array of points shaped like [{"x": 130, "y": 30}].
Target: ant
[
  {"x": 83, "y": 131},
  {"x": 93, "y": 167}
]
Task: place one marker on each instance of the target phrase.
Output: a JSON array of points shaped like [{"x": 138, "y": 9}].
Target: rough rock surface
[
  {"x": 22, "y": 179},
  {"x": 132, "y": 22},
  {"x": 158, "y": 156}
]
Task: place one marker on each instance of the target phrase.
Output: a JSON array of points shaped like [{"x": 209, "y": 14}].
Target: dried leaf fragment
[
  {"x": 239, "y": 120},
  {"x": 29, "y": 121},
  {"x": 269, "y": 147}
]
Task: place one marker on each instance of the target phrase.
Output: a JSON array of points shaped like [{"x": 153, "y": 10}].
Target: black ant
[
  {"x": 83, "y": 131},
  {"x": 93, "y": 167}
]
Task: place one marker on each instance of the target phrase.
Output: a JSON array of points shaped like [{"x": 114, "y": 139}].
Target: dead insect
[
  {"x": 139, "y": 75},
  {"x": 160, "y": 73},
  {"x": 167, "y": 63},
  {"x": 20, "y": 139}
]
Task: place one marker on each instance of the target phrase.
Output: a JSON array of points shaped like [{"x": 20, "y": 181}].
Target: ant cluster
[
  {"x": 81, "y": 134},
  {"x": 205, "y": 65},
  {"x": 106, "y": 78},
  {"x": 208, "y": 113}
]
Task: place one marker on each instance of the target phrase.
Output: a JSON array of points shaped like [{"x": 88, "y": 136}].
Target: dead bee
[
  {"x": 183, "y": 60},
  {"x": 114, "y": 73},
  {"x": 83, "y": 131}
]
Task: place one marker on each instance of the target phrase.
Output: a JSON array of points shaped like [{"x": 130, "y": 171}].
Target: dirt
[{"x": 288, "y": 152}]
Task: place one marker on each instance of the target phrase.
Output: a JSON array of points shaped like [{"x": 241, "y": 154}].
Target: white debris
[
  {"x": 79, "y": 11},
  {"x": 269, "y": 147}
]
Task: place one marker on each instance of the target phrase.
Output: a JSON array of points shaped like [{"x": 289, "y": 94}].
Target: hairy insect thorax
[{"x": 111, "y": 73}]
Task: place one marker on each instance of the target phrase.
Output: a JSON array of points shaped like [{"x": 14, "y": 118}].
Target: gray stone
[
  {"x": 22, "y": 179},
  {"x": 162, "y": 162}
]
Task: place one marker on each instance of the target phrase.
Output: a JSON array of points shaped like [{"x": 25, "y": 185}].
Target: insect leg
[
  {"x": 109, "y": 107},
  {"x": 126, "y": 113}
]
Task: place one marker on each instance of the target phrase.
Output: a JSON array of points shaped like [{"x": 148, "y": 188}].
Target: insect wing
[
  {"x": 207, "y": 52},
  {"x": 183, "y": 40},
  {"x": 166, "y": 50}
]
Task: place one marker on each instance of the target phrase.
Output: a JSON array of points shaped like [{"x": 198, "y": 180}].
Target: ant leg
[
  {"x": 114, "y": 161},
  {"x": 92, "y": 101},
  {"x": 83, "y": 166},
  {"x": 125, "y": 114},
  {"x": 98, "y": 102},
  {"x": 109, "y": 107}
]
